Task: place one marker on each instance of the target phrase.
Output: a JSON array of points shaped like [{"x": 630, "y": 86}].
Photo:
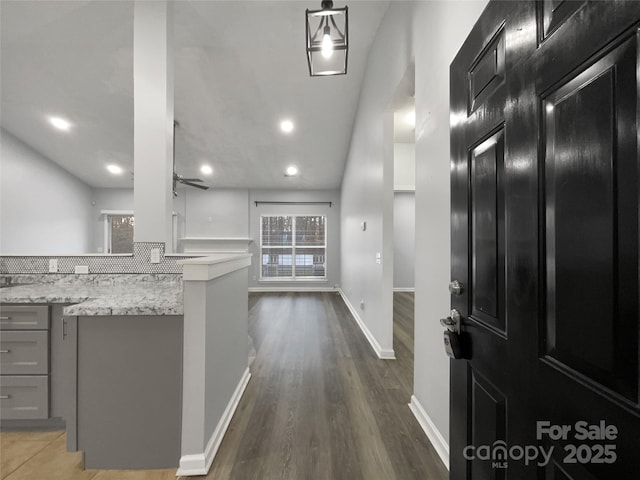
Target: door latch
[{"x": 452, "y": 322}]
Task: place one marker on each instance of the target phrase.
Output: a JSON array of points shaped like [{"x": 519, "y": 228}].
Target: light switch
[
  {"x": 53, "y": 265},
  {"x": 363, "y": 225},
  {"x": 378, "y": 258},
  {"x": 155, "y": 255}
]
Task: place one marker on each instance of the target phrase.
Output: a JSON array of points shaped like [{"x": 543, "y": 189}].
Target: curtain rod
[{"x": 257, "y": 202}]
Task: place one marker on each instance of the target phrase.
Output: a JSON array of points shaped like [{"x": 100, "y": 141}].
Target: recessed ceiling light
[
  {"x": 60, "y": 123},
  {"x": 206, "y": 169},
  {"x": 115, "y": 169},
  {"x": 292, "y": 171},
  {"x": 286, "y": 126}
]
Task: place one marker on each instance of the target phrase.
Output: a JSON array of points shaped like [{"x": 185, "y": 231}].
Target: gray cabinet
[
  {"x": 64, "y": 371},
  {"x": 24, "y": 362},
  {"x": 24, "y": 397},
  {"x": 24, "y": 352},
  {"x": 130, "y": 391},
  {"x": 24, "y": 317}
]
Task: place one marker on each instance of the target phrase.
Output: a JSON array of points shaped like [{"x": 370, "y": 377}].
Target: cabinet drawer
[
  {"x": 24, "y": 317},
  {"x": 24, "y": 397},
  {"x": 24, "y": 352}
]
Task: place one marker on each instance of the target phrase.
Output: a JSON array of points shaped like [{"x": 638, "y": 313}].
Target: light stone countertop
[{"x": 118, "y": 295}]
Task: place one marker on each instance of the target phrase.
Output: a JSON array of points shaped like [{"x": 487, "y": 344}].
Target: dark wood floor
[
  {"x": 320, "y": 404},
  {"x": 403, "y": 303}
]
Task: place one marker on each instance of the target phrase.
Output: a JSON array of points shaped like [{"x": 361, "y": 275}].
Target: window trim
[
  {"x": 107, "y": 214},
  {"x": 293, "y": 247}
]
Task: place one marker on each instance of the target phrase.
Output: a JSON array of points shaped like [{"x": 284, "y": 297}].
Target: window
[
  {"x": 293, "y": 247},
  {"x": 121, "y": 234},
  {"x": 118, "y": 232}
]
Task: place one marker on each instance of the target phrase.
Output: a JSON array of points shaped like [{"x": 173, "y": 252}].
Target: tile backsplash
[{"x": 139, "y": 262}]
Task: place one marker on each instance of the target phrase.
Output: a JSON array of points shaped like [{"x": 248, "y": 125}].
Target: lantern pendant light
[{"x": 327, "y": 40}]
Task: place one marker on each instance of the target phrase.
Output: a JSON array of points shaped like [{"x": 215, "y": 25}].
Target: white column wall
[
  {"x": 440, "y": 28},
  {"x": 366, "y": 196},
  {"x": 428, "y": 33},
  {"x": 153, "y": 121}
]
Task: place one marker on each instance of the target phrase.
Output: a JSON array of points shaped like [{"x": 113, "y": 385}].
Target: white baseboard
[
  {"x": 199, "y": 463},
  {"x": 383, "y": 353},
  {"x": 433, "y": 434},
  {"x": 402, "y": 289},
  {"x": 290, "y": 289}
]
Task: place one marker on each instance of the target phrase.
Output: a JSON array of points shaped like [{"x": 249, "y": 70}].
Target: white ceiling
[{"x": 240, "y": 67}]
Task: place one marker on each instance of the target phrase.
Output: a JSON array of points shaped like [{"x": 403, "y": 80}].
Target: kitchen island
[
  {"x": 146, "y": 370},
  {"x": 115, "y": 370}
]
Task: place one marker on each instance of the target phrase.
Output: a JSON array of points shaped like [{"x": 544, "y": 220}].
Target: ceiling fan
[{"x": 177, "y": 178}]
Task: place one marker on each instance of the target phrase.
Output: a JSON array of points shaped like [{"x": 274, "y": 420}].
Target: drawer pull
[
  {"x": 5, "y": 351},
  {"x": 5, "y": 397},
  {"x": 5, "y": 318}
]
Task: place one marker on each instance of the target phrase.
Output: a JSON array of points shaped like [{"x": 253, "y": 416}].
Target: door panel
[
  {"x": 589, "y": 224},
  {"x": 553, "y": 13},
  {"x": 488, "y": 426},
  {"x": 545, "y": 216},
  {"x": 487, "y": 232},
  {"x": 486, "y": 74}
]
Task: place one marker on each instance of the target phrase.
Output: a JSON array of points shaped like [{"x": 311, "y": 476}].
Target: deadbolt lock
[{"x": 452, "y": 344}]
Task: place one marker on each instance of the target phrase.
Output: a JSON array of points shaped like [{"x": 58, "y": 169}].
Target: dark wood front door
[{"x": 544, "y": 147}]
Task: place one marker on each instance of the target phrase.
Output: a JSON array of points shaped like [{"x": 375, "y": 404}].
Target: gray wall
[
  {"x": 215, "y": 328},
  {"x": 404, "y": 240},
  {"x": 217, "y": 212},
  {"x": 429, "y": 34},
  {"x": 227, "y": 352},
  {"x": 44, "y": 209},
  {"x": 333, "y": 231}
]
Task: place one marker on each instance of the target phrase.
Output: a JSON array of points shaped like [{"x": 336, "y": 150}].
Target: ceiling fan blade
[
  {"x": 177, "y": 178},
  {"x": 201, "y": 187}
]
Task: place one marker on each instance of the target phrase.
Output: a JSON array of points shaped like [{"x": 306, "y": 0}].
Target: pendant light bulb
[{"x": 327, "y": 43}]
